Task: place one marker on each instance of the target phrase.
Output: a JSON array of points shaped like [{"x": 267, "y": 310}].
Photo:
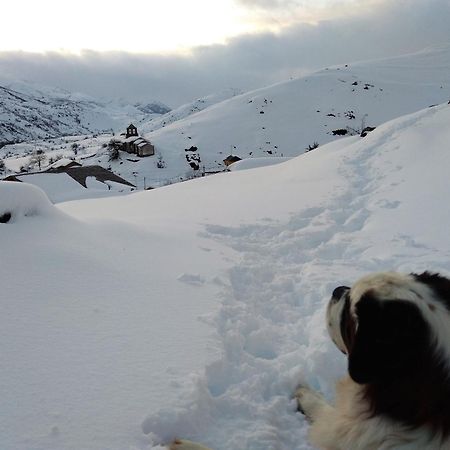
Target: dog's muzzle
[
  {"x": 338, "y": 293},
  {"x": 335, "y": 312}
]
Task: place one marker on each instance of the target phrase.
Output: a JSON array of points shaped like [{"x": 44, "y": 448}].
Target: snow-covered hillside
[
  {"x": 283, "y": 120},
  {"x": 184, "y": 111},
  {"x": 194, "y": 310},
  {"x": 29, "y": 111},
  {"x": 287, "y": 118},
  {"x": 92, "y": 148}
]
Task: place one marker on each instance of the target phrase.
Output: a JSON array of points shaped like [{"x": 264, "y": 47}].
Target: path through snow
[{"x": 271, "y": 324}]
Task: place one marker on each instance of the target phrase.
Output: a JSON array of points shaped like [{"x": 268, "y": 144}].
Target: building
[
  {"x": 231, "y": 159},
  {"x": 133, "y": 143},
  {"x": 75, "y": 171},
  {"x": 131, "y": 131},
  {"x": 62, "y": 165}
]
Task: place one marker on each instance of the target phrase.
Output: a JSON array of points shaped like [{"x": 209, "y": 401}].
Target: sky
[
  {"x": 175, "y": 51},
  {"x": 157, "y": 26}
]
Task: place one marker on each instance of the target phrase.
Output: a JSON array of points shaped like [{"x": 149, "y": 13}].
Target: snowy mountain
[
  {"x": 283, "y": 120},
  {"x": 29, "y": 111},
  {"x": 153, "y": 108},
  {"x": 196, "y": 309},
  {"x": 287, "y": 118}
]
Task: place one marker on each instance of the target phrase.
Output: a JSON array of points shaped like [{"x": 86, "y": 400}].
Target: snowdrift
[{"x": 19, "y": 200}]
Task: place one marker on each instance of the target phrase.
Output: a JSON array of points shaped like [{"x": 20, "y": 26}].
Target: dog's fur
[{"x": 395, "y": 330}]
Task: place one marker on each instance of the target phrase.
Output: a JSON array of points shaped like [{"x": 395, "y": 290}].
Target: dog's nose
[{"x": 339, "y": 292}]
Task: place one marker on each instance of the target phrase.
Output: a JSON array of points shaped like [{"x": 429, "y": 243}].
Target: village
[{"x": 72, "y": 166}]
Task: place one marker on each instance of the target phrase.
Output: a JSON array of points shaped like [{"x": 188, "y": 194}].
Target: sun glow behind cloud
[
  {"x": 276, "y": 15},
  {"x": 132, "y": 26},
  {"x": 154, "y": 26}
]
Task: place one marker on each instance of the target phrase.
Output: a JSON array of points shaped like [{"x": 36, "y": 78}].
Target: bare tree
[
  {"x": 114, "y": 146},
  {"x": 38, "y": 157},
  {"x": 75, "y": 147}
]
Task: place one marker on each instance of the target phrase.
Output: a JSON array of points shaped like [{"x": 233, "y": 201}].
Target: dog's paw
[
  {"x": 309, "y": 402},
  {"x": 183, "y": 444}
]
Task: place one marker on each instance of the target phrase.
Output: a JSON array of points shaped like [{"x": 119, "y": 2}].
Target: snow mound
[
  {"x": 254, "y": 163},
  {"x": 22, "y": 200}
]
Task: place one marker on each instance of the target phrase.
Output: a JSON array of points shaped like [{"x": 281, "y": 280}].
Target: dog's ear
[
  {"x": 438, "y": 283},
  {"x": 390, "y": 340}
]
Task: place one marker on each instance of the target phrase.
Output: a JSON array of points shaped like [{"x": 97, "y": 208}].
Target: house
[
  {"x": 80, "y": 174},
  {"x": 75, "y": 171},
  {"x": 231, "y": 159},
  {"x": 133, "y": 143},
  {"x": 62, "y": 165}
]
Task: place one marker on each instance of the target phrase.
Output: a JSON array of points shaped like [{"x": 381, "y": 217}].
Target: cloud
[
  {"x": 279, "y": 13},
  {"x": 270, "y": 4},
  {"x": 248, "y": 61}
]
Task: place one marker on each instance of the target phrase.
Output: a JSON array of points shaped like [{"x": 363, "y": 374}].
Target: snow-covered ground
[
  {"x": 253, "y": 163},
  {"x": 194, "y": 310}
]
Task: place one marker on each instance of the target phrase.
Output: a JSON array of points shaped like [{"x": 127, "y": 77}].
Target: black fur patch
[
  {"x": 439, "y": 284},
  {"x": 389, "y": 336},
  {"x": 395, "y": 357}
]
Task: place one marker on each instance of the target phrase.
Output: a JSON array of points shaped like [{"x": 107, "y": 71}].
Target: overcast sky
[{"x": 164, "y": 50}]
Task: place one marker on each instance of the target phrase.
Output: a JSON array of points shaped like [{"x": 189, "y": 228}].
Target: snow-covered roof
[
  {"x": 131, "y": 139},
  {"x": 63, "y": 162},
  {"x": 136, "y": 140}
]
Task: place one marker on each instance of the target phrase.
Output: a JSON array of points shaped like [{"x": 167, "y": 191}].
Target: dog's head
[
  {"x": 390, "y": 324},
  {"x": 395, "y": 330}
]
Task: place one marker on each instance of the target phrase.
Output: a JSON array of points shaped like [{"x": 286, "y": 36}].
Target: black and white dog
[{"x": 395, "y": 330}]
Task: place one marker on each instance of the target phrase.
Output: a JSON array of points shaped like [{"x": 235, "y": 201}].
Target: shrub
[{"x": 312, "y": 146}]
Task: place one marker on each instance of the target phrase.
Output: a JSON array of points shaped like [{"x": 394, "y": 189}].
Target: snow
[
  {"x": 253, "y": 163},
  {"x": 63, "y": 162},
  {"x": 23, "y": 200},
  {"x": 188, "y": 109},
  {"x": 101, "y": 319},
  {"x": 132, "y": 139},
  {"x": 195, "y": 310},
  {"x": 60, "y": 187}
]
